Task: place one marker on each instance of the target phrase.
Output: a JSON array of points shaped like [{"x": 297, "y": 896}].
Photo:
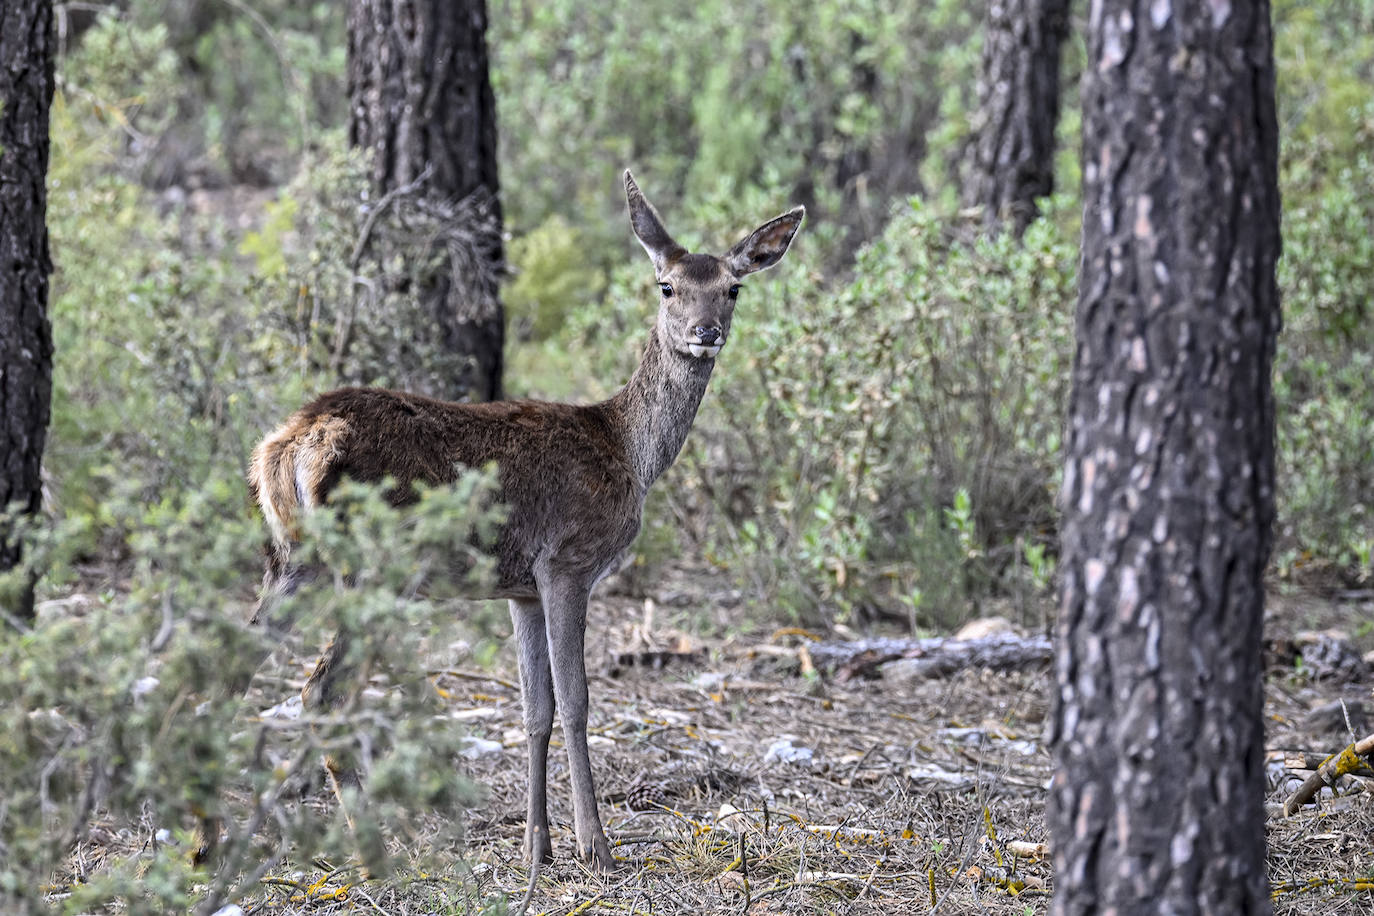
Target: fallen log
[
  {"x": 929, "y": 658},
  {"x": 1347, "y": 761}
]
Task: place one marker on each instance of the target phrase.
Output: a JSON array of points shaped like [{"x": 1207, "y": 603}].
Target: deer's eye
[
  {"x": 667, "y": 289},
  {"x": 734, "y": 292}
]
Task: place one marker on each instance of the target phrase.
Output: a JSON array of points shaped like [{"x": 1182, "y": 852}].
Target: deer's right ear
[{"x": 649, "y": 229}]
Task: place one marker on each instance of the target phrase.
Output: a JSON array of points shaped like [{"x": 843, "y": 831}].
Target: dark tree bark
[
  {"x": 26, "y": 87},
  {"x": 1018, "y": 109},
  {"x": 421, "y": 98},
  {"x": 1156, "y": 803}
]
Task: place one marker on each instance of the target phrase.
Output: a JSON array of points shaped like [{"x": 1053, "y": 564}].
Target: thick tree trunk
[
  {"x": 26, "y": 87},
  {"x": 1018, "y": 109},
  {"x": 1168, "y": 491},
  {"x": 421, "y": 98}
]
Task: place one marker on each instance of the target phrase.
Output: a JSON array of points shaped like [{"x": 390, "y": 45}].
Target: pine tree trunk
[
  {"x": 1018, "y": 109},
  {"x": 1156, "y": 803},
  {"x": 420, "y": 97},
  {"x": 26, "y": 87}
]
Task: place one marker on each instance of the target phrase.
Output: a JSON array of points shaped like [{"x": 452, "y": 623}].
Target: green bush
[
  {"x": 553, "y": 273},
  {"x": 132, "y": 709},
  {"x": 940, "y": 369},
  {"x": 1326, "y": 353}
]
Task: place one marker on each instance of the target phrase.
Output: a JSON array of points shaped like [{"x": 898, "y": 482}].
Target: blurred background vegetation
[
  {"x": 882, "y": 439},
  {"x": 882, "y": 436}
]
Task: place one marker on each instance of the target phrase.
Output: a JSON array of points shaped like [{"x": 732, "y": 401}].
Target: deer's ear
[
  {"x": 766, "y": 245},
  {"x": 649, "y": 229}
]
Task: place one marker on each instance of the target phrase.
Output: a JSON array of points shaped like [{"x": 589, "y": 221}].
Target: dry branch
[
  {"x": 1346, "y": 762},
  {"x": 930, "y": 658}
]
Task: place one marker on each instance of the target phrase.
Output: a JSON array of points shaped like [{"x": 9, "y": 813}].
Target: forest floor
[{"x": 762, "y": 789}]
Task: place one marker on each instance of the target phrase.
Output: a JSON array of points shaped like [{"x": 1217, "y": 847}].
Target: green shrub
[
  {"x": 940, "y": 369},
  {"x": 132, "y": 709},
  {"x": 554, "y": 270},
  {"x": 1325, "y": 357}
]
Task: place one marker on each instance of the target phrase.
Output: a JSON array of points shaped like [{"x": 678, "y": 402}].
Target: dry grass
[{"x": 911, "y": 796}]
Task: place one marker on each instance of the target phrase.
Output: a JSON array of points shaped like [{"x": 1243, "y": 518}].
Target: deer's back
[{"x": 573, "y": 499}]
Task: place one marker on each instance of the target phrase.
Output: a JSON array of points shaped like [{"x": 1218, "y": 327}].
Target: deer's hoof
[
  {"x": 538, "y": 847},
  {"x": 597, "y": 854},
  {"x": 205, "y": 848}
]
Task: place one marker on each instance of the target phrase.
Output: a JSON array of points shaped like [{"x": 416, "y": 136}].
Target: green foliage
[
  {"x": 552, "y": 274},
  {"x": 830, "y": 99},
  {"x": 174, "y": 355},
  {"x": 932, "y": 379},
  {"x": 133, "y": 707},
  {"x": 1326, "y": 277}
]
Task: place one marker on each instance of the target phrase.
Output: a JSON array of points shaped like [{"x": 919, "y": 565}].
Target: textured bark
[
  {"x": 1018, "y": 108},
  {"x": 26, "y": 87},
  {"x": 420, "y": 96},
  {"x": 1168, "y": 494}
]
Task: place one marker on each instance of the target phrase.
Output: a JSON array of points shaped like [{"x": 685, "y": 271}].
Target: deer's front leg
[
  {"x": 565, "y": 615},
  {"x": 536, "y": 693}
]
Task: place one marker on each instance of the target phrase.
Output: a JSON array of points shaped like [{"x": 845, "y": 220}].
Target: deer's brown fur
[{"x": 573, "y": 479}]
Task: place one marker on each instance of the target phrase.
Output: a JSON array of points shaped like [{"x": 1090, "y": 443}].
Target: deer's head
[{"x": 698, "y": 291}]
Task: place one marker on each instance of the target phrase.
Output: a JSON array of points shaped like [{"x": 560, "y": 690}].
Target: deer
[{"x": 573, "y": 479}]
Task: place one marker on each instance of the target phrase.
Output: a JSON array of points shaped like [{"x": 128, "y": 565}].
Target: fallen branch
[
  {"x": 1314, "y": 884},
  {"x": 1346, "y": 762},
  {"x": 474, "y": 676},
  {"x": 930, "y": 658}
]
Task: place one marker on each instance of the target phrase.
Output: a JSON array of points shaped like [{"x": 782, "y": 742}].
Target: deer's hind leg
[
  {"x": 324, "y": 691},
  {"x": 536, "y": 694},
  {"x": 281, "y": 579},
  {"x": 565, "y": 615}
]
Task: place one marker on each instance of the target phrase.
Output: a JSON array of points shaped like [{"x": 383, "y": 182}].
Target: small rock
[
  {"x": 938, "y": 774},
  {"x": 710, "y": 681},
  {"x": 1330, "y": 658},
  {"x": 287, "y": 709},
  {"x": 232, "y": 909},
  {"x": 473, "y": 747},
  {"x": 164, "y": 837},
  {"x": 732, "y": 820},
  {"x": 784, "y": 751}
]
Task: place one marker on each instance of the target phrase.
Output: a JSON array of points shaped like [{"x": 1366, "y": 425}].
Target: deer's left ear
[{"x": 766, "y": 245}]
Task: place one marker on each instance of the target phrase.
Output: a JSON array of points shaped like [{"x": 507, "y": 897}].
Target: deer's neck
[{"x": 657, "y": 406}]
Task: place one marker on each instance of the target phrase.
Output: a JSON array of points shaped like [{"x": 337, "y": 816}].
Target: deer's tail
[{"x": 286, "y": 478}]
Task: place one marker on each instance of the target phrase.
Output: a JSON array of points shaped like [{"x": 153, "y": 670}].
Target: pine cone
[{"x": 644, "y": 795}]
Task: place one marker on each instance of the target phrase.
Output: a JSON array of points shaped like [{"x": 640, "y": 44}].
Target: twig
[
  {"x": 586, "y": 905},
  {"x": 744, "y": 872},
  {"x": 164, "y": 632},
  {"x": 529, "y": 893},
  {"x": 387, "y": 200},
  {"x": 265, "y": 804},
  {"x": 1312, "y": 884},
  {"x": 474, "y": 676},
  {"x": 1347, "y": 761}
]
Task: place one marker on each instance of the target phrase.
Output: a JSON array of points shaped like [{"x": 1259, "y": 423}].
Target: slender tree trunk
[
  {"x": 26, "y": 87},
  {"x": 421, "y": 98},
  {"x": 1018, "y": 109},
  {"x": 1156, "y": 803}
]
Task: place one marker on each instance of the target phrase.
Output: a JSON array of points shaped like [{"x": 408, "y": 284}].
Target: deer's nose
[{"x": 707, "y": 336}]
